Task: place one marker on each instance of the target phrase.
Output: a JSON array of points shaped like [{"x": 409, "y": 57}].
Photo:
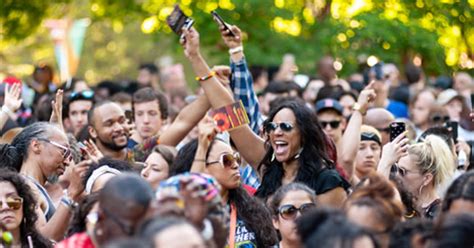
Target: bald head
[
  {"x": 100, "y": 107},
  {"x": 380, "y": 118}
]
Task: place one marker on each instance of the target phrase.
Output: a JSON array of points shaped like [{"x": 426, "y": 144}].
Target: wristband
[
  {"x": 68, "y": 201},
  {"x": 357, "y": 107},
  {"x": 236, "y": 50},
  {"x": 211, "y": 74}
]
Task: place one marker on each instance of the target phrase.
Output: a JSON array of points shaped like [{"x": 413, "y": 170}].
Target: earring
[
  {"x": 299, "y": 153},
  {"x": 420, "y": 189},
  {"x": 273, "y": 157}
]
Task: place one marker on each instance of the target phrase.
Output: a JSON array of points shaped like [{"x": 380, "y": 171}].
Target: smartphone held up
[{"x": 177, "y": 20}]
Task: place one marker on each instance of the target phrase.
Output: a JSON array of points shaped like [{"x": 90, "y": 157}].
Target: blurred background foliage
[{"x": 437, "y": 35}]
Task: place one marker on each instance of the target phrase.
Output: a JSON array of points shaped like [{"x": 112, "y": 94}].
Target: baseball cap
[
  {"x": 446, "y": 96},
  {"x": 329, "y": 103}
]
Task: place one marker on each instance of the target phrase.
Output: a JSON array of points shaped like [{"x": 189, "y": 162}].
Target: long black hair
[
  {"x": 250, "y": 210},
  {"x": 28, "y": 224},
  {"x": 313, "y": 157}
]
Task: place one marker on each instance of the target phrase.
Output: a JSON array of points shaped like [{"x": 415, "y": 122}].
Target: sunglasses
[
  {"x": 284, "y": 126},
  {"x": 14, "y": 202},
  {"x": 86, "y": 95},
  {"x": 439, "y": 118},
  {"x": 289, "y": 212},
  {"x": 227, "y": 159},
  {"x": 397, "y": 170},
  {"x": 65, "y": 151},
  {"x": 332, "y": 124}
]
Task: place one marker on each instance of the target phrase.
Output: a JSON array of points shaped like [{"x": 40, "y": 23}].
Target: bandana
[{"x": 370, "y": 137}]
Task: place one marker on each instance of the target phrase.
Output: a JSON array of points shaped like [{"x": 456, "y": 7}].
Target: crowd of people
[{"x": 318, "y": 165}]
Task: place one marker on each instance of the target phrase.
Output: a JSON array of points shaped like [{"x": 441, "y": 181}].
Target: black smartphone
[
  {"x": 396, "y": 128},
  {"x": 220, "y": 21},
  {"x": 177, "y": 20},
  {"x": 452, "y": 126}
]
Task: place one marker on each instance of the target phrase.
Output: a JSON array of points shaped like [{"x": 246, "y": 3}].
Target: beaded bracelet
[{"x": 211, "y": 74}]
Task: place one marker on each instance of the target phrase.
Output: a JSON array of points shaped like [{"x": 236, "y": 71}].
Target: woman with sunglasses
[
  {"x": 249, "y": 218},
  {"x": 18, "y": 211},
  {"x": 287, "y": 204},
  {"x": 426, "y": 166},
  {"x": 295, "y": 148}
]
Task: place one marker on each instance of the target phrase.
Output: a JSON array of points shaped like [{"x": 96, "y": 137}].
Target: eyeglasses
[
  {"x": 439, "y": 118},
  {"x": 14, "y": 202},
  {"x": 284, "y": 126},
  {"x": 332, "y": 124},
  {"x": 65, "y": 151},
  {"x": 289, "y": 212},
  {"x": 395, "y": 169},
  {"x": 86, "y": 95},
  {"x": 227, "y": 159}
]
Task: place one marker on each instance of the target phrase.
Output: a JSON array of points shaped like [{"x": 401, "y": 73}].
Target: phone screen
[
  {"x": 452, "y": 126},
  {"x": 396, "y": 128}
]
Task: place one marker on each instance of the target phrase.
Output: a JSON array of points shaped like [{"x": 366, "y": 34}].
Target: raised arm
[
  {"x": 351, "y": 137},
  {"x": 241, "y": 81},
  {"x": 186, "y": 120},
  {"x": 218, "y": 97},
  {"x": 12, "y": 101}
]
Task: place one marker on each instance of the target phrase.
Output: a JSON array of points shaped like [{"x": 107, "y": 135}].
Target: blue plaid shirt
[{"x": 241, "y": 84}]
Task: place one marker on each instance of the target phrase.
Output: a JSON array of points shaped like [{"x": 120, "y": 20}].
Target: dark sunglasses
[
  {"x": 332, "y": 124},
  {"x": 397, "y": 170},
  {"x": 227, "y": 159},
  {"x": 439, "y": 118},
  {"x": 284, "y": 126},
  {"x": 86, "y": 95},
  {"x": 289, "y": 212},
  {"x": 14, "y": 202}
]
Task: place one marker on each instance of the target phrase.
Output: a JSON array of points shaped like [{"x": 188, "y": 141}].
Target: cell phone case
[
  {"x": 396, "y": 128},
  {"x": 177, "y": 20}
]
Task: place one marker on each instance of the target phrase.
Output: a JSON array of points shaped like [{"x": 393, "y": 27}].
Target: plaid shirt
[{"x": 241, "y": 84}]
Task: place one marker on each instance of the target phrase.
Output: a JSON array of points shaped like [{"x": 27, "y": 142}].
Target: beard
[
  {"x": 112, "y": 145},
  {"x": 53, "y": 178}
]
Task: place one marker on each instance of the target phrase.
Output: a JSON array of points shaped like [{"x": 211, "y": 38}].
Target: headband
[
  {"x": 97, "y": 173},
  {"x": 370, "y": 137}
]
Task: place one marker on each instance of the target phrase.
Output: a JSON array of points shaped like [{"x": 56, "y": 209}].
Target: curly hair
[
  {"x": 250, "y": 210},
  {"x": 28, "y": 224},
  {"x": 313, "y": 157}
]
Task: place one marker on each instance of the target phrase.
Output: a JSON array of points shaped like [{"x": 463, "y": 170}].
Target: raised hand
[
  {"x": 57, "y": 103},
  {"x": 392, "y": 152},
  {"x": 93, "y": 153},
  {"x": 223, "y": 73},
  {"x": 190, "y": 43},
  {"x": 13, "y": 97},
  {"x": 230, "y": 40},
  {"x": 366, "y": 96},
  {"x": 207, "y": 131}
]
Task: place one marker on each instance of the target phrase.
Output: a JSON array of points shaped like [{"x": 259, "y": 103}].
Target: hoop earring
[{"x": 420, "y": 189}]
